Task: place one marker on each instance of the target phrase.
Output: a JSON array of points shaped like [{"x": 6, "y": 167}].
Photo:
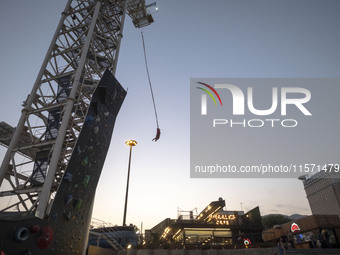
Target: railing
[{"x": 108, "y": 232}]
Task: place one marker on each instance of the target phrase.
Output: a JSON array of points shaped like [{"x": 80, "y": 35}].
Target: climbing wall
[{"x": 65, "y": 229}]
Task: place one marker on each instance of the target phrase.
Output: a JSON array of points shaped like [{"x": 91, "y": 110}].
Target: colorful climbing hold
[
  {"x": 85, "y": 161},
  {"x": 55, "y": 217},
  {"x": 68, "y": 199},
  {"x": 86, "y": 180},
  {"x": 78, "y": 204},
  {"x": 89, "y": 119},
  {"x": 68, "y": 177},
  {"x": 78, "y": 150},
  {"x": 35, "y": 229},
  {"x": 45, "y": 238},
  {"x": 21, "y": 234}
]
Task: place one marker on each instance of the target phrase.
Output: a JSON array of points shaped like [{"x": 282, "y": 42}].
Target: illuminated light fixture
[
  {"x": 211, "y": 214},
  {"x": 131, "y": 143},
  {"x": 151, "y": 8},
  {"x": 294, "y": 227},
  {"x": 176, "y": 233},
  {"x": 246, "y": 242},
  {"x": 129, "y": 246},
  {"x": 165, "y": 232}
]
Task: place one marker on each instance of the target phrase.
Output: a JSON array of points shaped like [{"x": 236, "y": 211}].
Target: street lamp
[{"x": 130, "y": 143}]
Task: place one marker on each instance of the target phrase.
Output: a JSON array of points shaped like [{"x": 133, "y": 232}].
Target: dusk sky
[{"x": 189, "y": 39}]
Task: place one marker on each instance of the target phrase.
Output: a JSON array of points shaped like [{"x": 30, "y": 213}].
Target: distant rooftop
[{"x": 335, "y": 176}]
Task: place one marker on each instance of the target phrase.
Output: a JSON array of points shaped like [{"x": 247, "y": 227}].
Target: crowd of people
[{"x": 319, "y": 241}]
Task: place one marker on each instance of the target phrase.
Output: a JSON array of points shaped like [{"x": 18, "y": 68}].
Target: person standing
[{"x": 290, "y": 238}]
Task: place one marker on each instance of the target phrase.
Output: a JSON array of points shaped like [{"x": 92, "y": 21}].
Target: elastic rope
[{"x": 147, "y": 71}]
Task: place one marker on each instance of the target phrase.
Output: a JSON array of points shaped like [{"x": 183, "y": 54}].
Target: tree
[{"x": 268, "y": 221}]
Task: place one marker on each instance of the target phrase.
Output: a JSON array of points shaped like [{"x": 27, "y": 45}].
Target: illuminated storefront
[
  {"x": 203, "y": 236},
  {"x": 211, "y": 228}
]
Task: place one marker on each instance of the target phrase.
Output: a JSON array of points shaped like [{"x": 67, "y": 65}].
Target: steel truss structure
[{"x": 85, "y": 44}]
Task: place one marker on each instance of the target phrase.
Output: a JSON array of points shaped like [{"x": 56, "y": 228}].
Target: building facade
[
  {"x": 323, "y": 193},
  {"x": 213, "y": 227}
]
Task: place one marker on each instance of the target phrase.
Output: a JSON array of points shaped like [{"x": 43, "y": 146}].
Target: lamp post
[{"x": 130, "y": 143}]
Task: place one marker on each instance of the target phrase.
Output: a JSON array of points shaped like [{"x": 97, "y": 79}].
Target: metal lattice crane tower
[{"x": 85, "y": 44}]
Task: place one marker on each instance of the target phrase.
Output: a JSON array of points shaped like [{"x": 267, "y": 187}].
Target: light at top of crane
[{"x": 152, "y": 8}]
